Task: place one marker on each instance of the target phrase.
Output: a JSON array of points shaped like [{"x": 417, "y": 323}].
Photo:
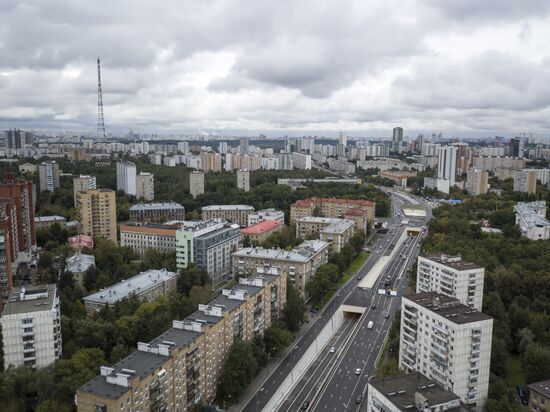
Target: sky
[{"x": 463, "y": 67}]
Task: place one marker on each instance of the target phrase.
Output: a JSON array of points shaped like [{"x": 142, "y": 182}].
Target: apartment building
[
  {"x": 531, "y": 220},
  {"x": 7, "y": 230},
  {"x": 208, "y": 244},
  {"x": 301, "y": 161},
  {"x": 77, "y": 265},
  {"x": 490, "y": 163},
  {"x": 539, "y": 396},
  {"x": 451, "y": 276},
  {"x": 341, "y": 165},
  {"x": 525, "y": 181},
  {"x": 300, "y": 263},
  {"x": 266, "y": 214},
  {"x": 211, "y": 162},
  {"x": 335, "y": 231},
  {"x": 412, "y": 391},
  {"x": 261, "y": 231},
  {"x": 44, "y": 222},
  {"x": 230, "y": 213},
  {"x": 126, "y": 177},
  {"x": 448, "y": 342},
  {"x": 243, "y": 180},
  {"x": 196, "y": 183},
  {"x": 399, "y": 177},
  {"x": 96, "y": 211},
  {"x": 82, "y": 183},
  {"x": 31, "y": 327},
  {"x": 477, "y": 181},
  {"x": 146, "y": 286},
  {"x": 180, "y": 368},
  {"x": 158, "y": 212},
  {"x": 145, "y": 186},
  {"x": 48, "y": 173},
  {"x": 141, "y": 237},
  {"x": 329, "y": 207}
]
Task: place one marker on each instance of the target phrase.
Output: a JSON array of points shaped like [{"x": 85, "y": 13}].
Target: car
[
  {"x": 358, "y": 277},
  {"x": 520, "y": 389},
  {"x": 304, "y": 406},
  {"x": 387, "y": 315},
  {"x": 332, "y": 349},
  {"x": 373, "y": 306},
  {"x": 376, "y": 252},
  {"x": 359, "y": 399},
  {"x": 358, "y": 371}
]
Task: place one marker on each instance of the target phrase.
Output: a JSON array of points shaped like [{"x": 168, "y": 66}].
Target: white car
[
  {"x": 332, "y": 349},
  {"x": 358, "y": 371}
]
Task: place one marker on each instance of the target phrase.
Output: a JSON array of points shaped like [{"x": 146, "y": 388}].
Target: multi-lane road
[{"x": 330, "y": 381}]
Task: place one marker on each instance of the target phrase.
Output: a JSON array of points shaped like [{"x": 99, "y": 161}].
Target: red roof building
[{"x": 261, "y": 231}]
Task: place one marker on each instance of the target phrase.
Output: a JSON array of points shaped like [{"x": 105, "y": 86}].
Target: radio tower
[{"x": 100, "y": 121}]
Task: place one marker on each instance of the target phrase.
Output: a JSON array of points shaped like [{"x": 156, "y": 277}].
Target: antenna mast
[{"x": 100, "y": 121}]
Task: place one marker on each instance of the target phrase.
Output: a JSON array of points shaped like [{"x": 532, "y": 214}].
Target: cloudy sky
[{"x": 464, "y": 67}]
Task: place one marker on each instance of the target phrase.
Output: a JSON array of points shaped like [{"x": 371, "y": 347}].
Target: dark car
[
  {"x": 520, "y": 389},
  {"x": 359, "y": 399},
  {"x": 373, "y": 306},
  {"x": 305, "y": 405}
]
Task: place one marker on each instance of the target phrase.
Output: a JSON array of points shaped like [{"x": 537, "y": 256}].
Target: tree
[
  {"x": 276, "y": 338},
  {"x": 295, "y": 308},
  {"x": 238, "y": 371},
  {"x": 189, "y": 277},
  {"x": 52, "y": 406},
  {"x": 536, "y": 363}
]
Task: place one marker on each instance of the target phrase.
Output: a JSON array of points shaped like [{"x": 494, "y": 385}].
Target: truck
[{"x": 370, "y": 324}]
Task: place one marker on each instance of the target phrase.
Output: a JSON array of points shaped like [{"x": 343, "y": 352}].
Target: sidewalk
[{"x": 259, "y": 380}]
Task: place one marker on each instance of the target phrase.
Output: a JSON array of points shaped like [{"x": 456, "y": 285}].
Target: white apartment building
[
  {"x": 337, "y": 232},
  {"x": 145, "y": 186},
  {"x": 446, "y": 164},
  {"x": 301, "y": 161},
  {"x": 525, "y": 181},
  {"x": 531, "y": 220},
  {"x": 243, "y": 180},
  {"x": 126, "y": 177},
  {"x": 231, "y": 213},
  {"x": 31, "y": 327},
  {"x": 448, "y": 342},
  {"x": 49, "y": 176},
  {"x": 341, "y": 165},
  {"x": 82, "y": 183},
  {"x": 451, "y": 276},
  {"x": 266, "y": 214},
  {"x": 196, "y": 183}
]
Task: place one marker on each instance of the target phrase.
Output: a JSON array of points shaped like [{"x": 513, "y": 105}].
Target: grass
[
  {"x": 515, "y": 374},
  {"x": 353, "y": 267}
]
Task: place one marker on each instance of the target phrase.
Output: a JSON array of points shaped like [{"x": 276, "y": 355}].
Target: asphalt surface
[{"x": 362, "y": 350}]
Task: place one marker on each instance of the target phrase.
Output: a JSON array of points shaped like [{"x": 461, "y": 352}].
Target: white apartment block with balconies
[
  {"x": 31, "y": 327},
  {"x": 451, "y": 276},
  {"x": 448, "y": 342}
]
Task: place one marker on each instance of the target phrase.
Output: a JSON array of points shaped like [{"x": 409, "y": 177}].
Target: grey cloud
[{"x": 491, "y": 9}]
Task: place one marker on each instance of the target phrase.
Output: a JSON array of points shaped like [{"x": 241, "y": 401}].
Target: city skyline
[{"x": 465, "y": 68}]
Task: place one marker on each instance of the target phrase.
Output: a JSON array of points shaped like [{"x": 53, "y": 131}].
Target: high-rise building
[
  {"x": 31, "y": 327},
  {"x": 451, "y": 276},
  {"x": 196, "y": 183},
  {"x": 183, "y": 147},
  {"x": 515, "y": 147},
  {"x": 81, "y": 183},
  {"x": 222, "y": 147},
  {"x": 342, "y": 139},
  {"x": 96, "y": 211},
  {"x": 477, "y": 181},
  {"x": 208, "y": 244},
  {"x": 525, "y": 181},
  {"x": 17, "y": 139},
  {"x": 8, "y": 229},
  {"x": 397, "y": 140},
  {"x": 285, "y": 161},
  {"x": 243, "y": 180},
  {"x": 446, "y": 164},
  {"x": 243, "y": 145},
  {"x": 301, "y": 161},
  {"x": 145, "y": 186},
  {"x": 449, "y": 343},
  {"x": 49, "y": 176},
  {"x": 126, "y": 177},
  {"x": 211, "y": 162}
]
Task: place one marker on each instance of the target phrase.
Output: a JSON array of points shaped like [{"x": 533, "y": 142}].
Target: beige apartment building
[
  {"x": 96, "y": 210},
  {"x": 145, "y": 186},
  {"x": 300, "y": 263},
  {"x": 83, "y": 182},
  {"x": 141, "y": 237},
  {"x": 337, "y": 232},
  {"x": 180, "y": 368},
  {"x": 329, "y": 207},
  {"x": 196, "y": 183},
  {"x": 230, "y": 213}
]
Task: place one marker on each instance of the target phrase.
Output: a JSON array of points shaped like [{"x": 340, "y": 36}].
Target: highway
[{"x": 363, "y": 346}]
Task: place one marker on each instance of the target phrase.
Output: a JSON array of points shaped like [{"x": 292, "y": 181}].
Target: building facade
[
  {"x": 397, "y": 140},
  {"x": 301, "y": 161},
  {"x": 449, "y": 343},
  {"x": 156, "y": 212},
  {"x": 300, "y": 263},
  {"x": 243, "y": 180},
  {"x": 31, "y": 327},
  {"x": 531, "y": 220},
  {"x": 337, "y": 232},
  {"x": 266, "y": 214},
  {"x": 451, "y": 276},
  {"x": 180, "y": 368},
  {"x": 81, "y": 183},
  {"x": 208, "y": 244},
  {"x": 126, "y": 177},
  {"x": 261, "y": 231},
  {"x": 96, "y": 211},
  {"x": 141, "y": 237},
  {"x": 539, "y": 396},
  {"x": 446, "y": 164},
  {"x": 196, "y": 183},
  {"x": 477, "y": 182},
  {"x": 146, "y": 286},
  {"x": 525, "y": 181},
  {"x": 230, "y": 213},
  {"x": 329, "y": 207},
  {"x": 49, "y": 176},
  {"x": 145, "y": 186}
]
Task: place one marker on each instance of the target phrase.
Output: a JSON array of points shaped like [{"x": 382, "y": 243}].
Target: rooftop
[
  {"x": 129, "y": 287},
  {"x": 403, "y": 391},
  {"x": 79, "y": 263},
  {"x": 542, "y": 387},
  {"x": 31, "y": 298},
  {"x": 259, "y": 228},
  {"x": 454, "y": 262},
  {"x": 315, "y": 200},
  {"x": 447, "y": 307},
  {"x": 301, "y": 253},
  {"x": 156, "y": 205},
  {"x": 227, "y": 207}
]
